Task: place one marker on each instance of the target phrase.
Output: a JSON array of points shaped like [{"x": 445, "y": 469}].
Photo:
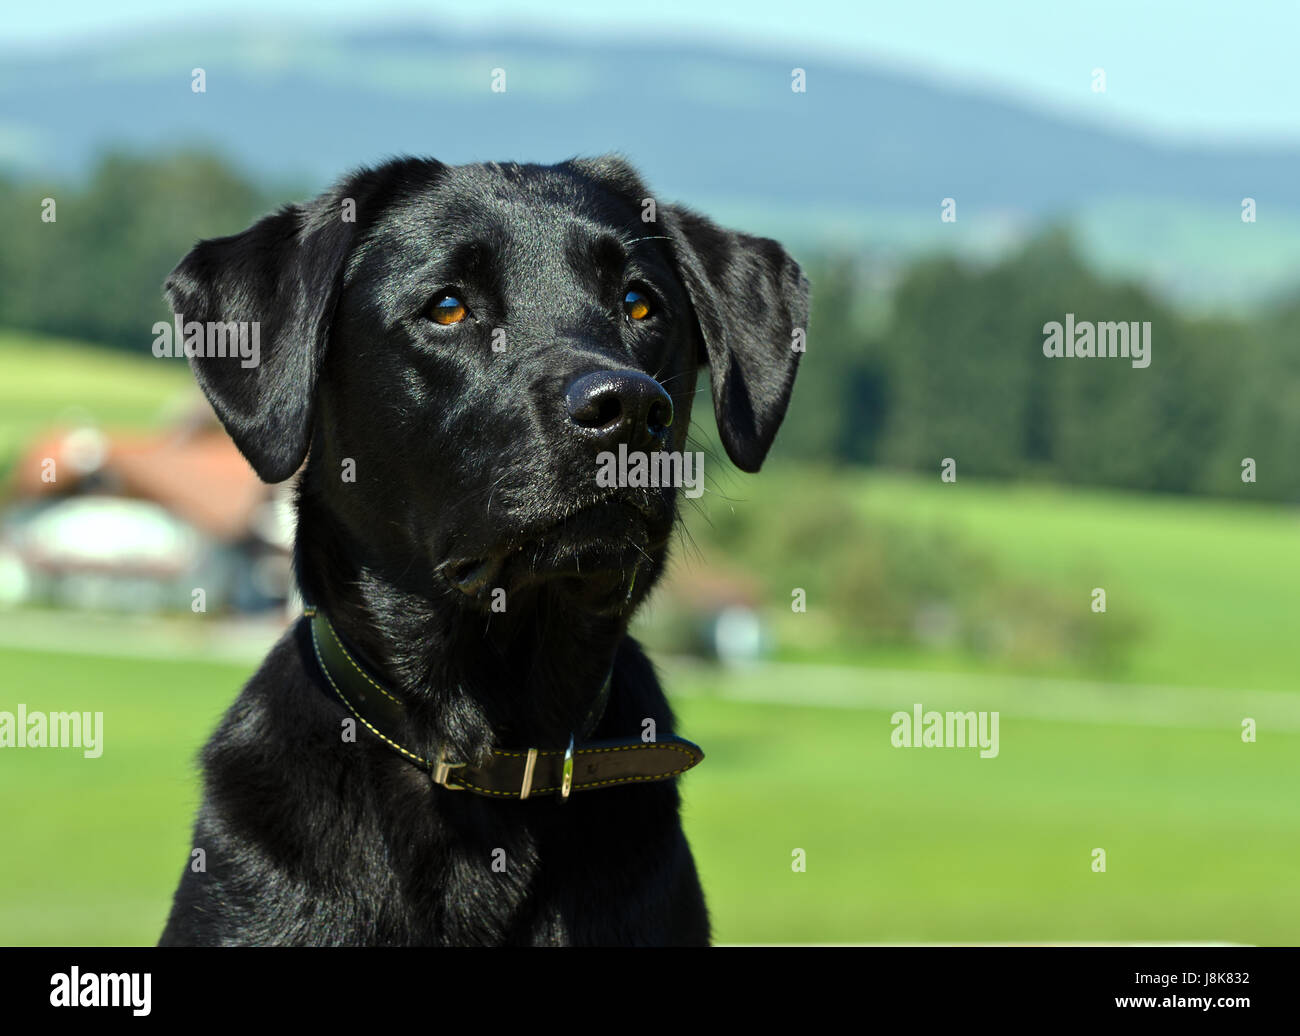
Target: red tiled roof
[{"x": 196, "y": 473}]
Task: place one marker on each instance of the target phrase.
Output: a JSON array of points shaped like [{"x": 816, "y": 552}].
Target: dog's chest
[{"x": 532, "y": 876}]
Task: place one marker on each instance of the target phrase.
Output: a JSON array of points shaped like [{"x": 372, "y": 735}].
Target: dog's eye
[
  {"x": 636, "y": 305},
  {"x": 447, "y": 310}
]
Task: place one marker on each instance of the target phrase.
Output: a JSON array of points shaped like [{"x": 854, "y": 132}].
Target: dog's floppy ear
[
  {"x": 749, "y": 298},
  {"x": 283, "y": 274}
]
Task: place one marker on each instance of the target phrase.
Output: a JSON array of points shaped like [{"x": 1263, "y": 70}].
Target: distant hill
[{"x": 863, "y": 157}]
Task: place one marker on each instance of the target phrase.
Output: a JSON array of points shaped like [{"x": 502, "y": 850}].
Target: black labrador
[{"x": 459, "y": 743}]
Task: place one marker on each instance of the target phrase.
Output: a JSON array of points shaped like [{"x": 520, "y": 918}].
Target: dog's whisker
[
  {"x": 493, "y": 489},
  {"x": 689, "y": 542}
]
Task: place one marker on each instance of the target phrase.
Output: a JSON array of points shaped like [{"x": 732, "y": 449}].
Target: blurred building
[
  {"x": 169, "y": 520},
  {"x": 709, "y": 612}
]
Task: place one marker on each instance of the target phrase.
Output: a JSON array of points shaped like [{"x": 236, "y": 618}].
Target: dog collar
[{"x": 508, "y": 774}]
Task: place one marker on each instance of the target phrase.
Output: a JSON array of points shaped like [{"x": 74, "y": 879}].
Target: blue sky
[{"x": 1195, "y": 69}]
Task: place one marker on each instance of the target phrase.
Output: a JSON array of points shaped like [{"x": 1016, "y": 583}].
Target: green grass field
[
  {"x": 1202, "y": 831},
  {"x": 1216, "y": 584},
  {"x": 48, "y": 381}
]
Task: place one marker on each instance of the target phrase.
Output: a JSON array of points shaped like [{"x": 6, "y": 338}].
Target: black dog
[{"x": 450, "y": 348}]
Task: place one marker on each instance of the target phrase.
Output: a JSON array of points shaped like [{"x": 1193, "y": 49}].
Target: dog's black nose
[{"x": 613, "y": 407}]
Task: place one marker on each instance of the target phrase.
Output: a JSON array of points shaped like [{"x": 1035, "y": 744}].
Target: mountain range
[{"x": 862, "y": 159}]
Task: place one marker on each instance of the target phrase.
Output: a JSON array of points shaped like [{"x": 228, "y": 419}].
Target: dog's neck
[{"x": 471, "y": 680}]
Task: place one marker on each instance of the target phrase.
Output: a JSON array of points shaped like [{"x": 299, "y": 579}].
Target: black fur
[{"x": 465, "y": 461}]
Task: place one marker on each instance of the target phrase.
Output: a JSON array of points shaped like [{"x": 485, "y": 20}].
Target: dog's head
[{"x": 456, "y": 346}]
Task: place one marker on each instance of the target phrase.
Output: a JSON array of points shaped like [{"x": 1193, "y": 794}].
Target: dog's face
[
  {"x": 459, "y": 345},
  {"x": 485, "y": 316}
]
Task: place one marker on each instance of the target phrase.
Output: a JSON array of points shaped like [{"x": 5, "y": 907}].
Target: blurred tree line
[
  {"x": 943, "y": 360},
  {"x": 948, "y": 362},
  {"x": 96, "y": 271}
]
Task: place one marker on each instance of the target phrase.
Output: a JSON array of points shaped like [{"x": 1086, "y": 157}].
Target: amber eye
[
  {"x": 636, "y": 305},
  {"x": 448, "y": 310}
]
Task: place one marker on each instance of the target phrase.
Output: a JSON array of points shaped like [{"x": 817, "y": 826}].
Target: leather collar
[{"x": 508, "y": 774}]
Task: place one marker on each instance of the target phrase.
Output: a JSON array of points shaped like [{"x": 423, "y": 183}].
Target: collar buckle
[{"x": 442, "y": 770}]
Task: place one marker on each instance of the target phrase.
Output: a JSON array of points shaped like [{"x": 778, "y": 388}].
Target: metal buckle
[
  {"x": 442, "y": 769},
  {"x": 529, "y": 764},
  {"x": 566, "y": 785}
]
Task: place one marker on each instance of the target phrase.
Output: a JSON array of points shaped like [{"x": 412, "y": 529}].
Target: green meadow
[
  {"x": 1200, "y": 830},
  {"x": 1214, "y": 586},
  {"x": 47, "y": 382}
]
